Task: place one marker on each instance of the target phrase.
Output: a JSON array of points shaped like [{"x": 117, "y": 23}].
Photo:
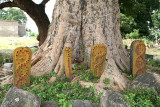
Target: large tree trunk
[{"x": 80, "y": 24}]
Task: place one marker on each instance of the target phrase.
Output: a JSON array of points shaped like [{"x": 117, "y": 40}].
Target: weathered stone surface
[
  {"x": 112, "y": 99},
  {"x": 147, "y": 80},
  {"x": 49, "y": 104},
  {"x": 20, "y": 98},
  {"x": 82, "y": 103}
]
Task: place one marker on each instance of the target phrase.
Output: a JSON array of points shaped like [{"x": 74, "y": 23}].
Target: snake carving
[
  {"x": 67, "y": 61},
  {"x": 138, "y": 58},
  {"x": 22, "y": 66},
  {"x": 98, "y": 57}
]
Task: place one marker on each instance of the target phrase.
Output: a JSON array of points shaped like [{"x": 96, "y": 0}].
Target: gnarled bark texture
[{"x": 80, "y": 24}]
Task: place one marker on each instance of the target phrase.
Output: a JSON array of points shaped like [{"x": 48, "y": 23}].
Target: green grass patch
[
  {"x": 3, "y": 91},
  {"x": 153, "y": 65},
  {"x": 107, "y": 81},
  {"x": 142, "y": 98},
  {"x": 85, "y": 75},
  {"x": 5, "y": 58},
  {"x": 10, "y": 43}
]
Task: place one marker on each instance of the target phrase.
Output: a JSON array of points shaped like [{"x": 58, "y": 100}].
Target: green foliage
[
  {"x": 153, "y": 62},
  {"x": 156, "y": 19},
  {"x": 130, "y": 77},
  {"x": 85, "y": 74},
  {"x": 154, "y": 34},
  {"x": 142, "y": 98},
  {"x": 107, "y": 81},
  {"x": 14, "y": 15},
  {"x": 141, "y": 11},
  {"x": 154, "y": 65},
  {"x": 133, "y": 35},
  {"x": 127, "y": 24},
  {"x": 34, "y": 34},
  {"x": 3, "y": 90},
  {"x": 5, "y": 58},
  {"x": 61, "y": 91}
]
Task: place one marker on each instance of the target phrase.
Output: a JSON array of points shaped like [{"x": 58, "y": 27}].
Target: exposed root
[
  {"x": 99, "y": 87},
  {"x": 61, "y": 68},
  {"x": 118, "y": 81},
  {"x": 9, "y": 80},
  {"x": 52, "y": 79}
]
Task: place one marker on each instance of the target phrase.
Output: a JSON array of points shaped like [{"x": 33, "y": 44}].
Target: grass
[
  {"x": 3, "y": 91},
  {"x": 141, "y": 98},
  {"x": 10, "y": 43},
  {"x": 153, "y": 51},
  {"x": 85, "y": 75},
  {"x": 153, "y": 65},
  {"x": 5, "y": 58}
]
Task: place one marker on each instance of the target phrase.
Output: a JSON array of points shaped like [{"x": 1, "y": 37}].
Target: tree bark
[
  {"x": 80, "y": 24},
  {"x": 36, "y": 12}
]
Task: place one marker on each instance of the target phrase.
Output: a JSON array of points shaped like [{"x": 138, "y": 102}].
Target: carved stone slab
[
  {"x": 138, "y": 62},
  {"x": 22, "y": 66},
  {"x": 98, "y": 57},
  {"x": 67, "y": 61}
]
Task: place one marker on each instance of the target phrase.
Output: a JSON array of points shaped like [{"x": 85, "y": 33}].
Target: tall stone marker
[
  {"x": 138, "y": 62},
  {"x": 98, "y": 57},
  {"x": 67, "y": 61},
  {"x": 22, "y": 66}
]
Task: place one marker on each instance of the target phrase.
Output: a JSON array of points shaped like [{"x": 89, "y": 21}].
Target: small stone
[
  {"x": 4, "y": 69},
  {"x": 156, "y": 57},
  {"x": 8, "y": 65},
  {"x": 49, "y": 104},
  {"x": 82, "y": 103},
  {"x": 73, "y": 66}
]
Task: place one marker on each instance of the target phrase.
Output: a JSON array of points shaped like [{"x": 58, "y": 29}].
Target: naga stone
[
  {"x": 98, "y": 57},
  {"x": 22, "y": 66},
  {"x": 138, "y": 62},
  {"x": 67, "y": 61}
]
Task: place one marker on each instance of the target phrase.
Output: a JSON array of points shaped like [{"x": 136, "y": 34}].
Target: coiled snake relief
[
  {"x": 98, "y": 59},
  {"x": 140, "y": 58},
  {"x": 22, "y": 66},
  {"x": 67, "y": 61}
]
